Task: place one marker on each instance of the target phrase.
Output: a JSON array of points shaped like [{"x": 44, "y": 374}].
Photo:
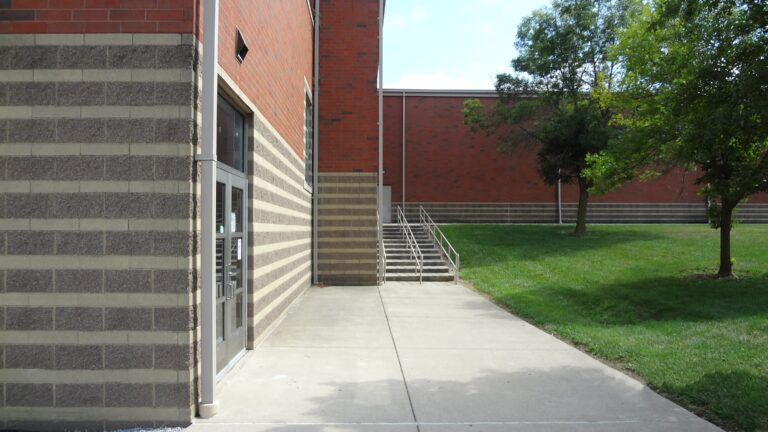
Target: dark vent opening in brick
[{"x": 241, "y": 48}]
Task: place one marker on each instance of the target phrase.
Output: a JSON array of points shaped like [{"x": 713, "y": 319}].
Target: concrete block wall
[
  {"x": 347, "y": 229},
  {"x": 98, "y": 230},
  {"x": 280, "y": 235}
]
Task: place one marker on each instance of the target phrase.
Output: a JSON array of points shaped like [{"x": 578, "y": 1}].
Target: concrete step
[
  {"x": 409, "y": 258},
  {"x": 398, "y": 231},
  {"x": 400, "y": 237},
  {"x": 403, "y": 244},
  {"x": 427, "y": 254},
  {"x": 426, "y": 277},
  {"x": 404, "y": 247},
  {"x": 413, "y": 269},
  {"x": 407, "y": 262}
]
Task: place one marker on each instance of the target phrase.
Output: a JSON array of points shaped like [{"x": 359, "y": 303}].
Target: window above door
[{"x": 230, "y": 135}]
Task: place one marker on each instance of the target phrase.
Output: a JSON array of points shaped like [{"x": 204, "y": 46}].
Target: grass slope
[{"x": 634, "y": 295}]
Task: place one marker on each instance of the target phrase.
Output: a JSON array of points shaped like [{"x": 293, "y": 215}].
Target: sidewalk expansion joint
[{"x": 399, "y": 362}]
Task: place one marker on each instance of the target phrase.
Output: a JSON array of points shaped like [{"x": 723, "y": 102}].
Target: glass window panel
[
  {"x": 239, "y": 310},
  {"x": 236, "y": 278},
  {"x": 219, "y": 268},
  {"x": 230, "y": 135},
  {"x": 220, "y": 195},
  {"x": 220, "y": 321},
  {"x": 237, "y": 210},
  {"x": 308, "y": 141}
]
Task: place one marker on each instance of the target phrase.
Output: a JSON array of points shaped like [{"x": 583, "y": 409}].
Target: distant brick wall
[
  {"x": 447, "y": 163},
  {"x": 97, "y": 16}
]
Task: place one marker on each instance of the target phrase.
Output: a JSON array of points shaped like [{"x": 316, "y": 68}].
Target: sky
[{"x": 450, "y": 44}]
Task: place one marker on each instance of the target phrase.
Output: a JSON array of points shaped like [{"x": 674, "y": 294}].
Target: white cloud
[
  {"x": 398, "y": 21},
  {"x": 442, "y": 80}
]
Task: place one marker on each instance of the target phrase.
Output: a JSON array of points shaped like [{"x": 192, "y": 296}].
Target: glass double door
[{"x": 231, "y": 253}]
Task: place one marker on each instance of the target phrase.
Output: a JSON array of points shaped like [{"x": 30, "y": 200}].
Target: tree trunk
[
  {"x": 581, "y": 213},
  {"x": 726, "y": 221}
]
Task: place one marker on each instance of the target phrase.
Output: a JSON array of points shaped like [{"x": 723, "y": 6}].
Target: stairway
[{"x": 401, "y": 265}]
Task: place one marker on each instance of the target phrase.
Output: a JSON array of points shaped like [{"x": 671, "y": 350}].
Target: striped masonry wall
[
  {"x": 347, "y": 228},
  {"x": 280, "y": 238},
  {"x": 597, "y": 213},
  {"x": 98, "y": 219}
]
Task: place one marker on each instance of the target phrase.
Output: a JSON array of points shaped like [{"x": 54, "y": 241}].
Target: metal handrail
[
  {"x": 382, "y": 277},
  {"x": 439, "y": 239},
  {"x": 410, "y": 239}
]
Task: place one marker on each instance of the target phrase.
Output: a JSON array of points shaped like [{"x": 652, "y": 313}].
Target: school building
[{"x": 175, "y": 173}]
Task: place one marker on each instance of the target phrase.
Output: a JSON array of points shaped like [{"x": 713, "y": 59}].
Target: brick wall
[
  {"x": 349, "y": 58},
  {"x": 447, "y": 163},
  {"x": 97, "y": 16},
  {"x": 279, "y": 61},
  {"x": 98, "y": 268}
]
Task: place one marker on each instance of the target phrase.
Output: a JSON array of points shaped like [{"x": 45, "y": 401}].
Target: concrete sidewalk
[{"x": 431, "y": 357}]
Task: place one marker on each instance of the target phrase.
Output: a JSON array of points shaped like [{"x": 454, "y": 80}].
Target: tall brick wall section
[
  {"x": 349, "y": 58},
  {"x": 448, "y": 164},
  {"x": 98, "y": 216},
  {"x": 348, "y": 141},
  {"x": 97, "y": 16}
]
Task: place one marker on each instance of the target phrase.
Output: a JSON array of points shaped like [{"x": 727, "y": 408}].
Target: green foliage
[
  {"x": 695, "y": 96},
  {"x": 557, "y": 94},
  {"x": 637, "y": 295}
]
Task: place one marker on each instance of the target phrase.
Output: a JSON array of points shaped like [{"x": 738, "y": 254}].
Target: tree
[
  {"x": 696, "y": 96},
  {"x": 561, "y": 72}
]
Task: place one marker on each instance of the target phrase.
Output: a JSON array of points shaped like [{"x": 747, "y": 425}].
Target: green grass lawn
[{"x": 635, "y": 295}]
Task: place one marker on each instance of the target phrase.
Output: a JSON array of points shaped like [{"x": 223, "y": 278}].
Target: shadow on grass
[
  {"x": 654, "y": 299},
  {"x": 737, "y": 398}
]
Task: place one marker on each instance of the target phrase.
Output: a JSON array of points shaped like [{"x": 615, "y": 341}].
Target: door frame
[{"x": 226, "y": 174}]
